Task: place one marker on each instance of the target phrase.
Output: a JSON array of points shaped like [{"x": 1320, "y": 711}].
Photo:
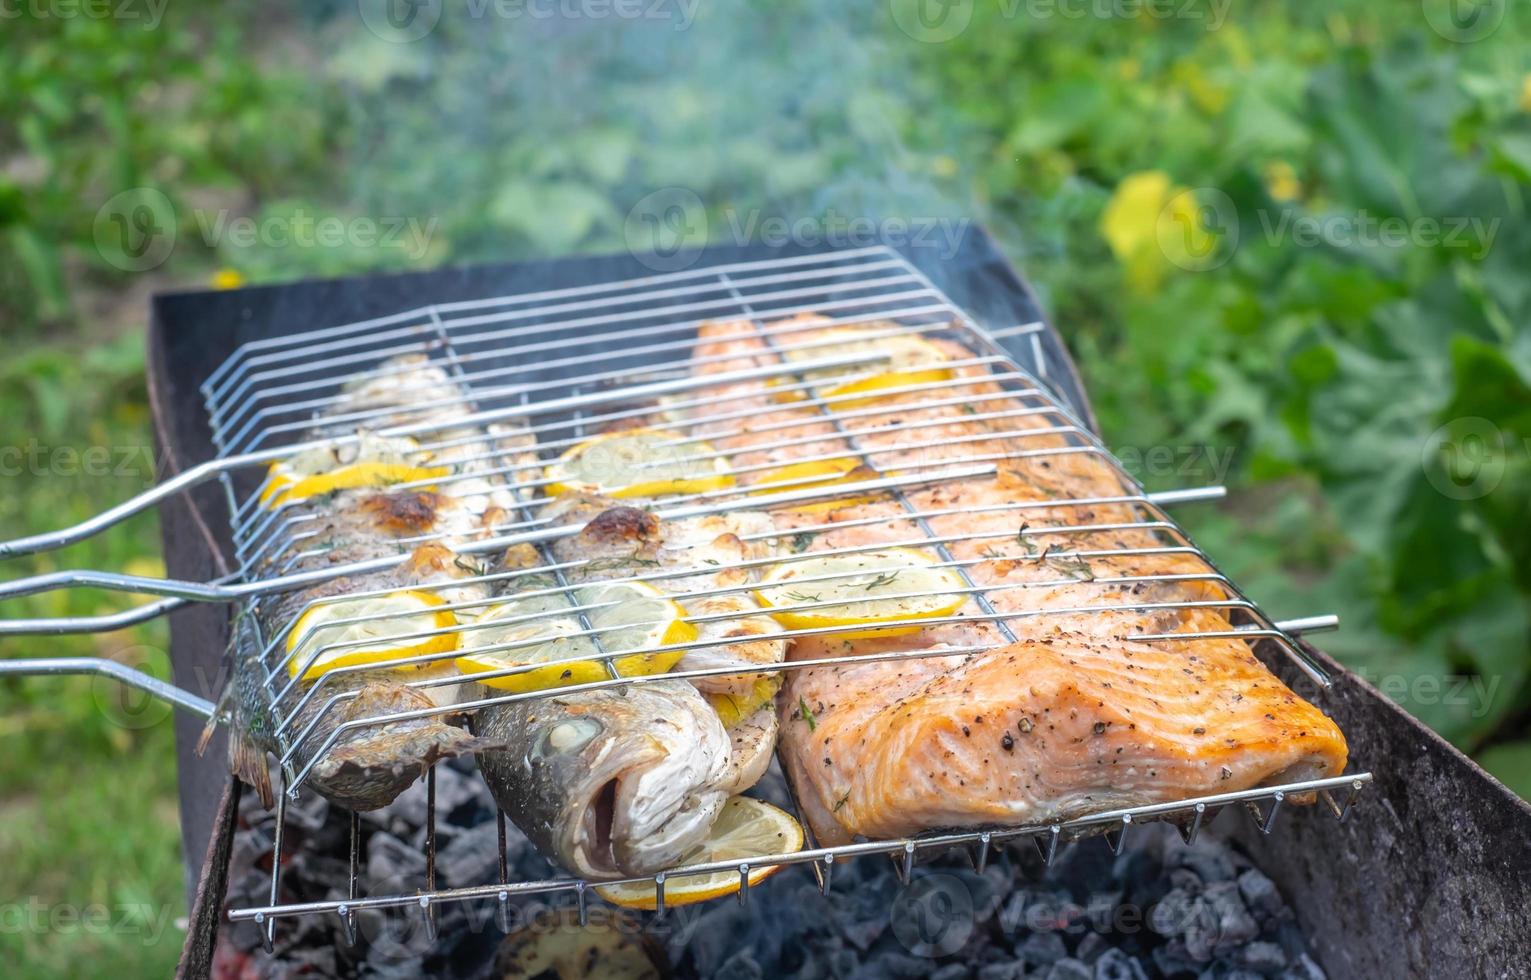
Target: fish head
[{"x": 613, "y": 784}]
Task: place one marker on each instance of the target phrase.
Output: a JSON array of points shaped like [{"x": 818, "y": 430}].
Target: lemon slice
[
  {"x": 638, "y": 463},
  {"x": 386, "y": 622},
  {"x": 911, "y": 360},
  {"x": 630, "y": 616},
  {"x": 368, "y": 448},
  {"x": 349, "y": 477},
  {"x": 814, "y": 474},
  {"x": 746, "y": 830},
  {"x": 864, "y": 581},
  {"x": 882, "y": 385},
  {"x": 732, "y": 710}
]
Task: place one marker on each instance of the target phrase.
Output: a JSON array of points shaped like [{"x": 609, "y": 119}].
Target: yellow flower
[
  {"x": 1281, "y": 181},
  {"x": 227, "y": 279},
  {"x": 1525, "y": 94},
  {"x": 1210, "y": 97},
  {"x": 1152, "y": 225}
]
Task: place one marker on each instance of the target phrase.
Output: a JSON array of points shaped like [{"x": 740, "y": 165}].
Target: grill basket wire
[{"x": 557, "y": 366}]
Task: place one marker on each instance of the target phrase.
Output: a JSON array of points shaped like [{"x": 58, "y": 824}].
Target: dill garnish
[
  {"x": 841, "y": 802},
  {"x": 802, "y": 540},
  {"x": 803, "y": 596},
  {"x": 805, "y": 714},
  {"x": 883, "y": 578}
]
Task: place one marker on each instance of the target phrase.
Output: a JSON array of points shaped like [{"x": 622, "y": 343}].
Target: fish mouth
[{"x": 642, "y": 821}]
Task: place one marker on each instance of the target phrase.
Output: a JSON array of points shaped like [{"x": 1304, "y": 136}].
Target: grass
[{"x": 88, "y": 823}]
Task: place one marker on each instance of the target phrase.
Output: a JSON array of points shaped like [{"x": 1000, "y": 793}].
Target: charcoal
[
  {"x": 1091, "y": 947},
  {"x": 471, "y": 857},
  {"x": 1042, "y": 949},
  {"x": 410, "y": 969},
  {"x": 894, "y": 965},
  {"x": 1212, "y": 863},
  {"x": 1304, "y": 968},
  {"x": 1260, "y": 894},
  {"x": 1114, "y": 964},
  {"x": 1235, "y": 926},
  {"x": 1262, "y": 957},
  {"x": 1070, "y": 969},
  {"x": 1051, "y": 910},
  {"x": 1173, "y": 958},
  {"x": 740, "y": 966},
  {"x": 1006, "y": 970},
  {"x": 1200, "y": 931},
  {"x": 1185, "y": 880},
  {"x": 1100, "y": 909},
  {"x": 952, "y": 971},
  {"x": 1173, "y": 914},
  {"x": 391, "y": 859}
]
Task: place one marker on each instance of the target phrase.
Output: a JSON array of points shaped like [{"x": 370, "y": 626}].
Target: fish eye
[{"x": 566, "y": 736}]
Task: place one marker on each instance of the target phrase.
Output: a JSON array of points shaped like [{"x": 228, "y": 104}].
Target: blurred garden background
[{"x": 1287, "y": 243}]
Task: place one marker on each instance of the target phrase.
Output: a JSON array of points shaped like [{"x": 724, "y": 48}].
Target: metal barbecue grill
[{"x": 550, "y": 367}]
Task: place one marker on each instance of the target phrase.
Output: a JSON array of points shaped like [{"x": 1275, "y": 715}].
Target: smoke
[{"x": 548, "y": 127}]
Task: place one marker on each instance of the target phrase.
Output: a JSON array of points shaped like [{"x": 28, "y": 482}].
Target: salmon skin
[
  {"x": 369, "y": 766},
  {"x": 1073, "y": 716}
]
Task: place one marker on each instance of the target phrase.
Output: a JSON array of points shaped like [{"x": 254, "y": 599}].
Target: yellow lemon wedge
[
  {"x": 384, "y": 631},
  {"x": 898, "y": 586},
  {"x": 733, "y": 709},
  {"x": 746, "y": 830},
  {"x": 352, "y": 477},
  {"x": 638, "y": 463},
  {"x": 624, "y": 615},
  {"x": 816, "y": 474},
  {"x": 880, "y": 386},
  {"x": 399, "y": 451},
  {"x": 911, "y": 360}
]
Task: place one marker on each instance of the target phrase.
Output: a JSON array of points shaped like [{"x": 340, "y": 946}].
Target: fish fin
[{"x": 248, "y": 762}]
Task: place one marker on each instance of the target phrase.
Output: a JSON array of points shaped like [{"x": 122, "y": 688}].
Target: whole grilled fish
[{"x": 368, "y": 766}]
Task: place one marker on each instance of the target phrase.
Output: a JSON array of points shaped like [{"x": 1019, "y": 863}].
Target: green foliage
[{"x": 1375, "y": 395}]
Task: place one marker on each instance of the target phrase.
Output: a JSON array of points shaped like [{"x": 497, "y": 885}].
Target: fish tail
[{"x": 248, "y": 762}]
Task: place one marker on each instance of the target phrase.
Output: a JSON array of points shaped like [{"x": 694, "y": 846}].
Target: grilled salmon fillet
[{"x": 1071, "y": 716}]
